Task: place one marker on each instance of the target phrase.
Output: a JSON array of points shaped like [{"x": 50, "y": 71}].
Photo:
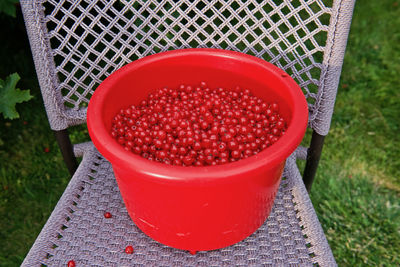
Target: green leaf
[
  {"x": 10, "y": 96},
  {"x": 8, "y": 7}
]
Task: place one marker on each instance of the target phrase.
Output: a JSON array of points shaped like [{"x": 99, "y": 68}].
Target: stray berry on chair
[
  {"x": 107, "y": 215},
  {"x": 129, "y": 250},
  {"x": 71, "y": 263}
]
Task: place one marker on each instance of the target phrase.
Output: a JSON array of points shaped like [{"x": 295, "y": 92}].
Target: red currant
[
  {"x": 129, "y": 250},
  {"x": 233, "y": 145},
  {"x": 71, "y": 263},
  {"x": 235, "y": 154}
]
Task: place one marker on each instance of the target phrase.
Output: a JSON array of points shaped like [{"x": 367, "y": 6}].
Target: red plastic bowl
[{"x": 197, "y": 208}]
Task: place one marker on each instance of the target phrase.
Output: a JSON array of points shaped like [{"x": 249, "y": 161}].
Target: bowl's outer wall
[{"x": 197, "y": 218}]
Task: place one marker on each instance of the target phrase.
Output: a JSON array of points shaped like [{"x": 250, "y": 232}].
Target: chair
[{"x": 77, "y": 44}]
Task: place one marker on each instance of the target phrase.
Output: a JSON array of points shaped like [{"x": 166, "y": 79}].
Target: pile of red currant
[{"x": 198, "y": 126}]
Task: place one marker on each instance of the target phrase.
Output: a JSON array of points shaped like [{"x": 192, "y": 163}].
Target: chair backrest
[{"x": 77, "y": 44}]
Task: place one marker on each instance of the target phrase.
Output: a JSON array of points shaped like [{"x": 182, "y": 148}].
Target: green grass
[
  {"x": 31, "y": 181},
  {"x": 357, "y": 188}
]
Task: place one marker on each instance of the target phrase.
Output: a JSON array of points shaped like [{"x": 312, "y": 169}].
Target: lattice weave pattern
[
  {"x": 89, "y": 239},
  {"x": 91, "y": 39}
]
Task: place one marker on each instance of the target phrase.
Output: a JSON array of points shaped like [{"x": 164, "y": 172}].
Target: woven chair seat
[{"x": 77, "y": 229}]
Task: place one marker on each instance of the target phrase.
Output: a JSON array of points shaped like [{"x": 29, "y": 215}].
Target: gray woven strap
[
  {"x": 44, "y": 64},
  {"x": 311, "y": 227},
  {"x": 77, "y": 229},
  {"x": 77, "y": 44},
  {"x": 81, "y": 148},
  {"x": 332, "y": 65}
]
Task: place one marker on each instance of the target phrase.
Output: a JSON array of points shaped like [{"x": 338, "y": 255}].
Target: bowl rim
[{"x": 273, "y": 155}]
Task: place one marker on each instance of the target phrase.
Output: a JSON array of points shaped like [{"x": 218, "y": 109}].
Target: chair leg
[
  {"x": 313, "y": 156},
  {"x": 67, "y": 151}
]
